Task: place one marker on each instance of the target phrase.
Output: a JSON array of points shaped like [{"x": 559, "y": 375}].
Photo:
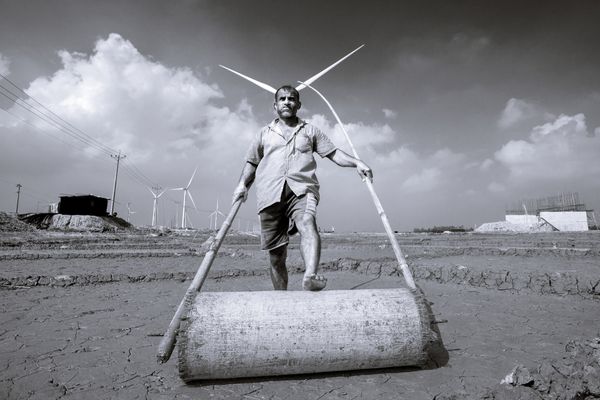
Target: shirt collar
[
  {"x": 273, "y": 124},
  {"x": 274, "y": 127}
]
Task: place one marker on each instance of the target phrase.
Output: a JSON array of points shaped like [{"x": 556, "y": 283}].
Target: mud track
[{"x": 83, "y": 314}]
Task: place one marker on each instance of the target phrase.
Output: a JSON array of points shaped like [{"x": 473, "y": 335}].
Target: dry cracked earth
[{"x": 82, "y": 314}]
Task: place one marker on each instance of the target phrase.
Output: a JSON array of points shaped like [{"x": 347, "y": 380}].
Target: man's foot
[{"x": 314, "y": 282}]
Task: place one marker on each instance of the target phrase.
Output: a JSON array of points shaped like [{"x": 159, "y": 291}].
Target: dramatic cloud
[
  {"x": 130, "y": 102},
  {"x": 562, "y": 150},
  {"x": 164, "y": 119},
  {"x": 168, "y": 122},
  {"x": 564, "y": 126},
  {"x": 153, "y": 113},
  {"x": 518, "y": 110},
  {"x": 367, "y": 139},
  {"x": 416, "y": 172}
]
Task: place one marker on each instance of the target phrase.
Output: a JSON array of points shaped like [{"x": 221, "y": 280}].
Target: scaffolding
[{"x": 568, "y": 201}]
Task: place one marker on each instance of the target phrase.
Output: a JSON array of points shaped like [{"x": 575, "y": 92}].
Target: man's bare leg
[
  {"x": 310, "y": 249},
  {"x": 278, "y": 270}
]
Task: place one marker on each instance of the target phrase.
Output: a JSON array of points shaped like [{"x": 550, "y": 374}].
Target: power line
[
  {"x": 75, "y": 145},
  {"x": 140, "y": 173},
  {"x": 62, "y": 122},
  {"x": 137, "y": 175},
  {"x": 54, "y": 120},
  {"x": 35, "y": 111}
]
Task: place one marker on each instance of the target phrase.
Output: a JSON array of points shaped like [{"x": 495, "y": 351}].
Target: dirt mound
[
  {"x": 9, "y": 223},
  {"x": 77, "y": 223},
  {"x": 576, "y": 376},
  {"x": 505, "y": 226}
]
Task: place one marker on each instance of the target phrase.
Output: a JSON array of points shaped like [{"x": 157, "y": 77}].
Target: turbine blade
[
  {"x": 151, "y": 191},
  {"x": 260, "y": 84},
  {"x": 178, "y": 188},
  {"x": 192, "y": 199},
  {"x": 320, "y": 74},
  {"x": 220, "y": 213},
  {"x": 192, "y": 178},
  {"x": 161, "y": 193}
]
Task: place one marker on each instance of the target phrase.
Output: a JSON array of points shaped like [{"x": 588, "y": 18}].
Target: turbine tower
[
  {"x": 129, "y": 212},
  {"x": 186, "y": 193},
  {"x": 155, "y": 204}
]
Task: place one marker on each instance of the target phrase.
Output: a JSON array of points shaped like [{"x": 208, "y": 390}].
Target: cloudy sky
[{"x": 461, "y": 108}]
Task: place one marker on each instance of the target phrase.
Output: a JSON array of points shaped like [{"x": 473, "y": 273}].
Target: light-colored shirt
[{"x": 280, "y": 159}]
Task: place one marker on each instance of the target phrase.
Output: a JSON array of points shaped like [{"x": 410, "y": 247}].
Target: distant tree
[{"x": 441, "y": 229}]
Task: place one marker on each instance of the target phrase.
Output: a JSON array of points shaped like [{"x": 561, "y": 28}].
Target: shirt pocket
[{"x": 303, "y": 144}]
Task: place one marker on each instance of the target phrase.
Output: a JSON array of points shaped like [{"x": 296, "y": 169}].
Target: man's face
[{"x": 287, "y": 104}]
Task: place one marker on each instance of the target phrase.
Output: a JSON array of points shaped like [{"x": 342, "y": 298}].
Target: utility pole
[
  {"x": 118, "y": 157},
  {"x": 18, "y": 195}
]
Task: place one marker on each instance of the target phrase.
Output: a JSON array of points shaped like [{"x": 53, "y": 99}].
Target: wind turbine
[
  {"x": 186, "y": 193},
  {"x": 216, "y": 213},
  {"x": 302, "y": 85},
  {"x": 129, "y": 212},
  {"x": 155, "y": 204}
]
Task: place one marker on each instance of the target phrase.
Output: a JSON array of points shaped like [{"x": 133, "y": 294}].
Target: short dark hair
[{"x": 288, "y": 88}]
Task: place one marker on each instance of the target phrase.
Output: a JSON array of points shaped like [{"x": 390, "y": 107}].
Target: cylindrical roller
[{"x": 249, "y": 334}]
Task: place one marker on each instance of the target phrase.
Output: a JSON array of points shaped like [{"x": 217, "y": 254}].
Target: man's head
[{"x": 287, "y": 102}]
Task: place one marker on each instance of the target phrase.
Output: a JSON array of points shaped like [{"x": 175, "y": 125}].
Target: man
[{"x": 281, "y": 159}]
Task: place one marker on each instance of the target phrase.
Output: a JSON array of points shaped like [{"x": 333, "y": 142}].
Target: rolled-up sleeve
[
  {"x": 255, "y": 151},
  {"x": 322, "y": 145}
]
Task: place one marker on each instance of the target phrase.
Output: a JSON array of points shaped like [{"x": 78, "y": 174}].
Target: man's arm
[
  {"x": 246, "y": 179},
  {"x": 344, "y": 159}
]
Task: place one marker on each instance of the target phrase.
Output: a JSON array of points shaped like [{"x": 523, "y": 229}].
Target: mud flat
[{"x": 83, "y": 314}]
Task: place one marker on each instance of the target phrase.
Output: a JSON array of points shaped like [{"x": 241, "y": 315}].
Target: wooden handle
[
  {"x": 410, "y": 282},
  {"x": 386, "y": 224},
  {"x": 167, "y": 344}
]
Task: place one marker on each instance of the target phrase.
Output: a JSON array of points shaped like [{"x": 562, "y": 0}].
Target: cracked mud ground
[{"x": 87, "y": 327}]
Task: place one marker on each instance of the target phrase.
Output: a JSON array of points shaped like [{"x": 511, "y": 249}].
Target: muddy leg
[
  {"x": 310, "y": 249},
  {"x": 278, "y": 270}
]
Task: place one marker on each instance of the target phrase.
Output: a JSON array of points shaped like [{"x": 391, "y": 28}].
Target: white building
[
  {"x": 523, "y": 219},
  {"x": 564, "y": 212},
  {"x": 569, "y": 221},
  {"x": 566, "y": 221}
]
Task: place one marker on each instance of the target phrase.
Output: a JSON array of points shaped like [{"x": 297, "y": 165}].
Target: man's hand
[
  {"x": 364, "y": 171},
  {"x": 344, "y": 159},
  {"x": 240, "y": 192}
]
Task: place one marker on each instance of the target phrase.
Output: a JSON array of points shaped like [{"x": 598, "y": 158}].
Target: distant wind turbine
[
  {"x": 155, "y": 204},
  {"x": 129, "y": 212},
  {"x": 216, "y": 214},
  {"x": 186, "y": 193}
]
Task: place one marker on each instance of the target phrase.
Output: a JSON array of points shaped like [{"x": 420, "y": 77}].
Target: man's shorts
[{"x": 277, "y": 220}]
